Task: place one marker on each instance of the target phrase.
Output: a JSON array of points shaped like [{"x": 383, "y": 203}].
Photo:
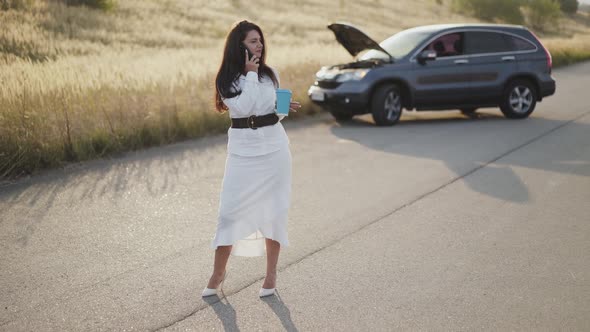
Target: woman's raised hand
[{"x": 252, "y": 63}]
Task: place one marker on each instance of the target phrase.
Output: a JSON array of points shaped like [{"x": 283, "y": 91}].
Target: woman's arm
[{"x": 242, "y": 105}]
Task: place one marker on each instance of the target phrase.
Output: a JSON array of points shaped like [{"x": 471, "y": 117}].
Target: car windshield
[{"x": 398, "y": 45}]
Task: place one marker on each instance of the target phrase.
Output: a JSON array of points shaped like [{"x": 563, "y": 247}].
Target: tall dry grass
[
  {"x": 77, "y": 83},
  {"x": 565, "y": 52}
]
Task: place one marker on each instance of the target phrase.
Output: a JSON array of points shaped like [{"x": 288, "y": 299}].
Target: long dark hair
[{"x": 233, "y": 63}]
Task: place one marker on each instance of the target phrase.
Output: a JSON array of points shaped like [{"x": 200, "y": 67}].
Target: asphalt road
[{"x": 442, "y": 222}]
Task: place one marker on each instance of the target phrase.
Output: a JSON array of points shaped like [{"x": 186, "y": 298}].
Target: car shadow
[{"x": 437, "y": 137}]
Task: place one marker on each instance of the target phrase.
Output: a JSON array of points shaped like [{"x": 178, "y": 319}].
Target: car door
[
  {"x": 446, "y": 79},
  {"x": 492, "y": 62}
]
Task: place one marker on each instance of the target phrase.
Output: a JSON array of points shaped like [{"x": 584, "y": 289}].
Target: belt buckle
[{"x": 251, "y": 122}]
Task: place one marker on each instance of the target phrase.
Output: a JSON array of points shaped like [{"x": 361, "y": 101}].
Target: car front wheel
[
  {"x": 386, "y": 105},
  {"x": 519, "y": 99}
]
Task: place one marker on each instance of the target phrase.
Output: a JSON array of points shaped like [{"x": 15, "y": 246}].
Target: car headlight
[
  {"x": 326, "y": 73},
  {"x": 353, "y": 75}
]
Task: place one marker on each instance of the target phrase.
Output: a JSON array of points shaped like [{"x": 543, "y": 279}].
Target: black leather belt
[{"x": 254, "y": 122}]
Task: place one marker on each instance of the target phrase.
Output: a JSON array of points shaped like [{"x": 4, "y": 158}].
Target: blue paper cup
[{"x": 283, "y": 101}]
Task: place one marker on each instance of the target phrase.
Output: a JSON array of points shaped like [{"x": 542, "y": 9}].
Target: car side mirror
[{"x": 427, "y": 55}]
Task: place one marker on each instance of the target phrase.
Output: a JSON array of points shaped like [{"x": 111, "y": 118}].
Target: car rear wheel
[
  {"x": 386, "y": 105},
  {"x": 519, "y": 99},
  {"x": 341, "y": 115}
]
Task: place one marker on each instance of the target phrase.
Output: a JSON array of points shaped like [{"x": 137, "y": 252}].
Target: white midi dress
[{"x": 256, "y": 188}]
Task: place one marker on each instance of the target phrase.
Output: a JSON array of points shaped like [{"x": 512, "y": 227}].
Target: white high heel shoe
[
  {"x": 213, "y": 291},
  {"x": 266, "y": 292}
]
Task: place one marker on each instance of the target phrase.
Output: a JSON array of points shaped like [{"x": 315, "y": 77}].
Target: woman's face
[{"x": 254, "y": 43}]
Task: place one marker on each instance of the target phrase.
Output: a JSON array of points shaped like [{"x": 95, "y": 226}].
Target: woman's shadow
[
  {"x": 281, "y": 310},
  {"x": 225, "y": 312}
]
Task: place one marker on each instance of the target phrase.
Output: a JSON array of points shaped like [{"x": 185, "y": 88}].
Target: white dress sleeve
[{"x": 242, "y": 105}]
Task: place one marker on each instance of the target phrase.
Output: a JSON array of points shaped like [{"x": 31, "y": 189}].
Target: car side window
[
  {"x": 479, "y": 42},
  {"x": 519, "y": 44},
  {"x": 447, "y": 45}
]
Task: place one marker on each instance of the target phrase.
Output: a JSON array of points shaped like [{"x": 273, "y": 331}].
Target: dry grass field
[{"x": 79, "y": 83}]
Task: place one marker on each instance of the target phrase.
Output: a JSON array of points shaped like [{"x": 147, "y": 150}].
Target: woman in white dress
[{"x": 256, "y": 187}]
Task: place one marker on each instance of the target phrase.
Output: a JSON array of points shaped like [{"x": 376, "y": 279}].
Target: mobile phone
[{"x": 250, "y": 55}]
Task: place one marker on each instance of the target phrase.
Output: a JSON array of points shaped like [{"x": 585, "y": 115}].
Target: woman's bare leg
[
  {"x": 272, "y": 257},
  {"x": 221, "y": 257}
]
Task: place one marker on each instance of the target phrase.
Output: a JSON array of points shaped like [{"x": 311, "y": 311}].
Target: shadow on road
[
  {"x": 437, "y": 138},
  {"x": 282, "y": 311},
  {"x": 224, "y": 311},
  {"x": 153, "y": 171}
]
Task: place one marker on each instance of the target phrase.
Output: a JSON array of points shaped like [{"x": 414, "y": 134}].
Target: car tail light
[{"x": 549, "y": 58}]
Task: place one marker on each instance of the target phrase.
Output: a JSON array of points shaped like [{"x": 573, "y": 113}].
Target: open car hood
[{"x": 354, "y": 40}]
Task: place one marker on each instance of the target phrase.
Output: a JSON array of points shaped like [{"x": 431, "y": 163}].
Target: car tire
[
  {"x": 468, "y": 111},
  {"x": 519, "y": 99},
  {"x": 341, "y": 116},
  {"x": 386, "y": 105}
]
